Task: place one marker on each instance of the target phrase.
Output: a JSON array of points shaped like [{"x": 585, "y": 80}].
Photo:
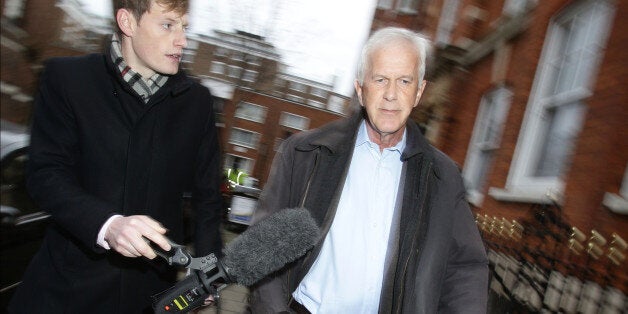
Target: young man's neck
[{"x": 131, "y": 60}]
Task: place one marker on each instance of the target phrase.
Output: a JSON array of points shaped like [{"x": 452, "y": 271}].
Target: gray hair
[{"x": 388, "y": 35}]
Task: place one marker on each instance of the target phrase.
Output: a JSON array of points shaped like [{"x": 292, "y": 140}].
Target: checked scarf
[{"x": 144, "y": 88}]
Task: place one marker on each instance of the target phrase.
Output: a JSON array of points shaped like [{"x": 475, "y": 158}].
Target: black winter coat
[
  {"x": 98, "y": 150},
  {"x": 439, "y": 263}
]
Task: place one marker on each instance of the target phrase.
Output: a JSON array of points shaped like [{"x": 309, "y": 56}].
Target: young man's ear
[{"x": 126, "y": 21}]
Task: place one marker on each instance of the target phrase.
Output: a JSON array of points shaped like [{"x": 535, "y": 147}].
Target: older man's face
[{"x": 391, "y": 88}]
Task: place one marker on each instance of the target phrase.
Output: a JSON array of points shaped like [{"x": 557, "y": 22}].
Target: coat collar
[{"x": 336, "y": 135}]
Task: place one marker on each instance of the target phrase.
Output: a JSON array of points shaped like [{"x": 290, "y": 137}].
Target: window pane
[
  {"x": 486, "y": 137},
  {"x": 294, "y": 121},
  {"x": 384, "y": 4},
  {"x": 248, "y": 111},
  {"x": 408, "y": 6},
  {"x": 244, "y": 138},
  {"x": 561, "y": 129},
  {"x": 478, "y": 179}
]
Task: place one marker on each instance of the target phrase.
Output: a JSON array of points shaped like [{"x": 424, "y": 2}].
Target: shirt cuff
[{"x": 103, "y": 230}]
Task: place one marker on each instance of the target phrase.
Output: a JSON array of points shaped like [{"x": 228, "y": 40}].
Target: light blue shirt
[{"x": 348, "y": 273}]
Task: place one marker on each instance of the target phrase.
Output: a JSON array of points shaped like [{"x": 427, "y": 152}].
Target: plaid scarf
[{"x": 144, "y": 88}]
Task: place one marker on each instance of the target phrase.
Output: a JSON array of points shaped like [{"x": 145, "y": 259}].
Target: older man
[{"x": 398, "y": 235}]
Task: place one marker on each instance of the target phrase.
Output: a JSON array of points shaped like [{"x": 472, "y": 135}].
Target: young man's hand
[{"x": 127, "y": 236}]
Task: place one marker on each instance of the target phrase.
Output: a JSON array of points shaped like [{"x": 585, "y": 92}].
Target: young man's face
[
  {"x": 156, "y": 41},
  {"x": 391, "y": 88}
]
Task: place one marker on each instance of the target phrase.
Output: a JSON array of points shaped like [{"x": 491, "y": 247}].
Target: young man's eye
[{"x": 166, "y": 25}]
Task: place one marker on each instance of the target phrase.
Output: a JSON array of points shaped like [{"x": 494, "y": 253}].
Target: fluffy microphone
[
  {"x": 262, "y": 249},
  {"x": 270, "y": 244}
]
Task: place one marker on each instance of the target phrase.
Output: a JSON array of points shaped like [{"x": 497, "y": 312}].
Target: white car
[
  {"x": 14, "y": 138},
  {"x": 23, "y": 224},
  {"x": 243, "y": 204}
]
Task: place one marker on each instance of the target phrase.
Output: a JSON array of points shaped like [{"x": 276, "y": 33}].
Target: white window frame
[
  {"x": 299, "y": 87},
  {"x": 249, "y": 75},
  {"x": 447, "y": 22},
  {"x": 218, "y": 67},
  {"x": 385, "y": 4},
  {"x": 14, "y": 9},
  {"x": 522, "y": 185},
  {"x": 249, "y": 111},
  {"x": 516, "y": 7},
  {"x": 618, "y": 203},
  {"x": 284, "y": 120},
  {"x": 492, "y": 114},
  {"x": 252, "y": 144},
  {"x": 408, "y": 6},
  {"x": 234, "y": 71}
]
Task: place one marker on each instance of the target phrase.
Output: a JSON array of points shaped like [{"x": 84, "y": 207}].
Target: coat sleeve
[
  {"x": 207, "y": 198},
  {"x": 53, "y": 177},
  {"x": 271, "y": 295},
  {"x": 465, "y": 286}
]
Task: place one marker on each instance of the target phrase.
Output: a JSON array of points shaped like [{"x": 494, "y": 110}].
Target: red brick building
[
  {"x": 527, "y": 97},
  {"x": 33, "y": 31},
  {"x": 258, "y": 103}
]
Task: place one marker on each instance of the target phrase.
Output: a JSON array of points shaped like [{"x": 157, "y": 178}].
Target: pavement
[{"x": 233, "y": 298}]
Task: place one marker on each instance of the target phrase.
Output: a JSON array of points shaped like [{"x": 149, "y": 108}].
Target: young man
[
  {"x": 399, "y": 236},
  {"x": 117, "y": 139}
]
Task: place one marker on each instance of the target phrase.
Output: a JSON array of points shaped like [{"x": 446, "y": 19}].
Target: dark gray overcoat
[{"x": 437, "y": 260}]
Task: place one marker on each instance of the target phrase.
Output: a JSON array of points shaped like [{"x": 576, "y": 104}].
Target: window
[
  {"x": 244, "y": 138},
  {"x": 618, "y": 203},
  {"x": 14, "y": 9},
  {"x": 217, "y": 67},
  {"x": 556, "y": 110},
  {"x": 384, "y": 4},
  {"x": 404, "y": 6},
  {"x": 221, "y": 52},
  {"x": 298, "y": 87},
  {"x": 249, "y": 76},
  {"x": 295, "y": 98},
  {"x": 447, "y": 22},
  {"x": 235, "y": 71},
  {"x": 249, "y": 111},
  {"x": 319, "y": 92},
  {"x": 485, "y": 141},
  {"x": 336, "y": 104},
  {"x": 293, "y": 121},
  {"x": 408, "y": 6},
  {"x": 253, "y": 60},
  {"x": 315, "y": 103},
  {"x": 237, "y": 56},
  {"x": 516, "y": 7}
]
